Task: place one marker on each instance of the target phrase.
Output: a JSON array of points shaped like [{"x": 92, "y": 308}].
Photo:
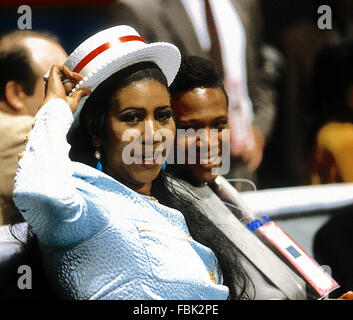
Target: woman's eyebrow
[
  {"x": 142, "y": 108},
  {"x": 131, "y": 109}
]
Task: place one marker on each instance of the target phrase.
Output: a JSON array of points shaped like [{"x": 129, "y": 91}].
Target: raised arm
[{"x": 45, "y": 192}]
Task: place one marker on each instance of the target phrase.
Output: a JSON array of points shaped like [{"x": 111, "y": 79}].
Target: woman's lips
[{"x": 147, "y": 163}]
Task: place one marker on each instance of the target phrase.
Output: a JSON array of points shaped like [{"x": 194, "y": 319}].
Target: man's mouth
[{"x": 210, "y": 162}]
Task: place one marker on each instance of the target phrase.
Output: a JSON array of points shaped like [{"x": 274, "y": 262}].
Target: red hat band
[{"x": 105, "y": 46}]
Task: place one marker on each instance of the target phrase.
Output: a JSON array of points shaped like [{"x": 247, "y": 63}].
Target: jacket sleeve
[{"x": 45, "y": 192}]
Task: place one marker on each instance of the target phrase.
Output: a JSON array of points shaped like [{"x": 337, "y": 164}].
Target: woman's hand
[
  {"x": 60, "y": 83},
  {"x": 347, "y": 296}
]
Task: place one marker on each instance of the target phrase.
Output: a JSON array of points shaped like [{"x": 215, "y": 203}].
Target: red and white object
[{"x": 307, "y": 267}]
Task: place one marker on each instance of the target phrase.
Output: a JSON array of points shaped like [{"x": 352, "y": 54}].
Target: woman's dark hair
[
  {"x": 207, "y": 233},
  {"x": 92, "y": 121},
  {"x": 28, "y": 254}
]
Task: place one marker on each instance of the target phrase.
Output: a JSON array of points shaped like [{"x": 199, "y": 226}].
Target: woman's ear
[
  {"x": 91, "y": 124},
  {"x": 96, "y": 141},
  {"x": 15, "y": 96}
]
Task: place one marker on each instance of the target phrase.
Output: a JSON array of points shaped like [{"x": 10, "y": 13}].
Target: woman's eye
[{"x": 131, "y": 117}]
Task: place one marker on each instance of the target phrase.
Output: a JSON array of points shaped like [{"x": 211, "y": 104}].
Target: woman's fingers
[
  {"x": 62, "y": 77},
  {"x": 347, "y": 296},
  {"x": 76, "y": 97},
  {"x": 68, "y": 85},
  {"x": 61, "y": 82},
  {"x": 70, "y": 79},
  {"x": 54, "y": 79},
  {"x": 54, "y": 87},
  {"x": 70, "y": 75}
]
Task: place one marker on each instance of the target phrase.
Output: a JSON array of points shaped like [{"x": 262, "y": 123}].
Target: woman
[{"x": 102, "y": 234}]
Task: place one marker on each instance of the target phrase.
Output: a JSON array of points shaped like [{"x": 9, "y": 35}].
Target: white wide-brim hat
[{"x": 114, "y": 49}]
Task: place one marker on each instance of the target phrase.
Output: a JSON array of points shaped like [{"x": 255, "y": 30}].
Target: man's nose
[{"x": 207, "y": 139}]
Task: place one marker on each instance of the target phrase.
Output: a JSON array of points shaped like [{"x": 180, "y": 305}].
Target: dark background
[{"x": 76, "y": 20}]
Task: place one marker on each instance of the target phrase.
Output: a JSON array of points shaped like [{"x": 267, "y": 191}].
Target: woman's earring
[
  {"x": 98, "y": 156},
  {"x": 164, "y": 166}
]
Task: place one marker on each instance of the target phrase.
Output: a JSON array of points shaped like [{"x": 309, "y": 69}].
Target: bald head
[{"x": 25, "y": 56}]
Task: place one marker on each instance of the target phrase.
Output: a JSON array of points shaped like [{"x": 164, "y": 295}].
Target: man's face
[
  {"x": 203, "y": 108},
  {"x": 44, "y": 54}
]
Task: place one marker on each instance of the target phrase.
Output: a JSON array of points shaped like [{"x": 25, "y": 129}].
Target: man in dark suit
[{"x": 171, "y": 21}]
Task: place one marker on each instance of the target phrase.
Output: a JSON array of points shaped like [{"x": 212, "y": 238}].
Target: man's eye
[{"x": 220, "y": 125}]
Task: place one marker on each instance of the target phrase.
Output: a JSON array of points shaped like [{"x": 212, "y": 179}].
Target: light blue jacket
[{"x": 100, "y": 239}]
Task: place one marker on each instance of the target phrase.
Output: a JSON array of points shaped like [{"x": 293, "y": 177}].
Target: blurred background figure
[
  {"x": 333, "y": 154},
  {"x": 25, "y": 56},
  {"x": 228, "y": 32},
  {"x": 333, "y": 102},
  {"x": 293, "y": 28}
]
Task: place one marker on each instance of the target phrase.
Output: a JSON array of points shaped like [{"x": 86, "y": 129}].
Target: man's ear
[{"x": 15, "y": 95}]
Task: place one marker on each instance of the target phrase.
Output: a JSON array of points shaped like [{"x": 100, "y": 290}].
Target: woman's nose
[{"x": 150, "y": 132}]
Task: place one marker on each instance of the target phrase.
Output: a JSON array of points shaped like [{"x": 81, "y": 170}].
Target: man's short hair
[
  {"x": 16, "y": 62},
  {"x": 196, "y": 72}
]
